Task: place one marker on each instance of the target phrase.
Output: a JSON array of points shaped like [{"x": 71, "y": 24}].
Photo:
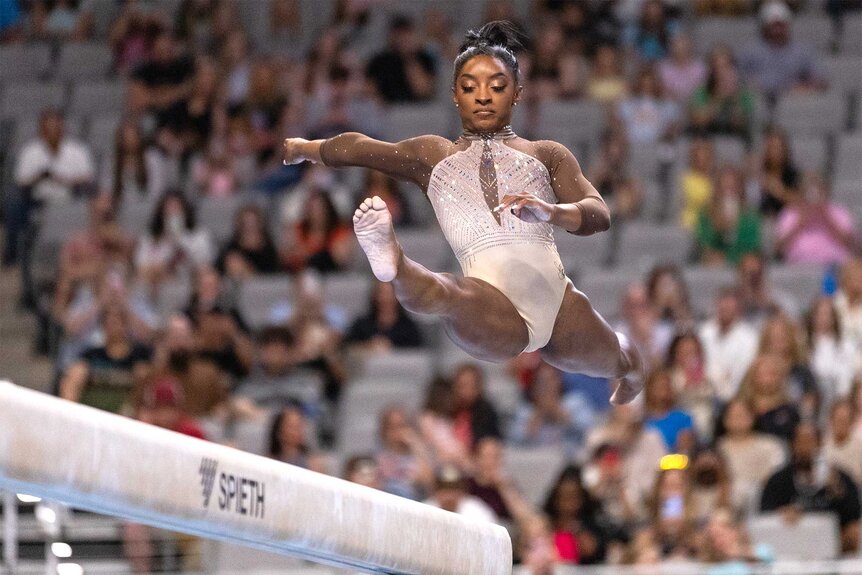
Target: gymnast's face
[{"x": 485, "y": 91}]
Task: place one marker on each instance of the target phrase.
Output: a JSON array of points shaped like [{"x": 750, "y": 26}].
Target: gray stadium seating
[
  {"x": 605, "y": 288},
  {"x": 535, "y": 470},
  {"x": 413, "y": 368},
  {"x": 813, "y": 114},
  {"x": 851, "y": 35},
  {"x": 427, "y": 247},
  {"x": 734, "y": 32},
  {"x": 703, "y": 283},
  {"x": 802, "y": 282},
  {"x": 409, "y": 120},
  {"x": 259, "y": 295},
  {"x": 30, "y": 98},
  {"x": 644, "y": 245},
  {"x": 84, "y": 61},
  {"x": 810, "y": 153},
  {"x": 98, "y": 98},
  {"x": 816, "y": 31},
  {"x": 24, "y": 62},
  {"x": 581, "y": 252},
  {"x": 173, "y": 296},
  {"x": 349, "y": 292},
  {"x": 844, "y": 72},
  {"x": 814, "y": 537},
  {"x": 848, "y": 162},
  {"x": 572, "y": 123}
]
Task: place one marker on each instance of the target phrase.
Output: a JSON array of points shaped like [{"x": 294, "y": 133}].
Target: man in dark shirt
[
  {"x": 810, "y": 484},
  {"x": 405, "y": 71},
  {"x": 163, "y": 83}
]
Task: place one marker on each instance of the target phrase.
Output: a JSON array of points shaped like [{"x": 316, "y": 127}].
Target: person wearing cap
[
  {"x": 777, "y": 64},
  {"x": 450, "y": 494},
  {"x": 161, "y": 404}
]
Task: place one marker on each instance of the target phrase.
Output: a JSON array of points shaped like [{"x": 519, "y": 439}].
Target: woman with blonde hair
[
  {"x": 764, "y": 390},
  {"x": 782, "y": 336}
]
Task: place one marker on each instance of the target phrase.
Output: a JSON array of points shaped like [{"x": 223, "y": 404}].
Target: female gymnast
[{"x": 497, "y": 197}]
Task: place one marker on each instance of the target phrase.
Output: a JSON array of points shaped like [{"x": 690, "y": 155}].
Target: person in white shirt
[
  {"x": 841, "y": 448},
  {"x": 834, "y": 358},
  {"x": 729, "y": 344},
  {"x": 450, "y": 494},
  {"x": 53, "y": 167}
]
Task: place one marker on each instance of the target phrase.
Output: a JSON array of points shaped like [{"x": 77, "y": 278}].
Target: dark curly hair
[{"x": 498, "y": 39}]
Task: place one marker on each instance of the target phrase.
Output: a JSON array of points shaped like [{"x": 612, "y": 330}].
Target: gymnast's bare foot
[
  {"x": 372, "y": 223},
  {"x": 631, "y": 384}
]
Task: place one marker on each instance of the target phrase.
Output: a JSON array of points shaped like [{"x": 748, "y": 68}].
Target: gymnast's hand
[
  {"x": 298, "y": 150},
  {"x": 527, "y": 208}
]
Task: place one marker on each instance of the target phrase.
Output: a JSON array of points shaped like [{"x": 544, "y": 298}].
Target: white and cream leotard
[{"x": 464, "y": 180}]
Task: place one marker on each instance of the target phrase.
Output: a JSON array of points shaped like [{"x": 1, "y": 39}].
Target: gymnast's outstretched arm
[{"x": 409, "y": 160}]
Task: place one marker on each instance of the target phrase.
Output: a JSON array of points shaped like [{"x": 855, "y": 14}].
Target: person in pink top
[{"x": 813, "y": 229}]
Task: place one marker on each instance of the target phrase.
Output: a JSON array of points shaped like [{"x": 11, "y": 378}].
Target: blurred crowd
[{"x": 755, "y": 408}]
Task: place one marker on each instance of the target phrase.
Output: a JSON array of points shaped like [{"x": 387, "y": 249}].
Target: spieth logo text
[{"x": 236, "y": 494}]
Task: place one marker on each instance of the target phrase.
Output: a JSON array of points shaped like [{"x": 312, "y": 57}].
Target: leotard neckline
[{"x": 504, "y": 133}]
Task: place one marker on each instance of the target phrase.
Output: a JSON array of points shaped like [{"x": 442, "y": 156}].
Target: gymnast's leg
[
  {"x": 476, "y": 315},
  {"x": 583, "y": 342}
]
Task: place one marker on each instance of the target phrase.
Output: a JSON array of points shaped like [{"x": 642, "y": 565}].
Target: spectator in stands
[
  {"x": 777, "y": 64},
  {"x": 809, "y": 484},
  {"x": 363, "y": 470},
  {"x": 450, "y": 494},
  {"x": 574, "y": 519},
  {"x": 648, "y": 116},
  {"x": 611, "y": 176},
  {"x": 781, "y": 336},
  {"x": 555, "y": 72},
  {"x": 61, "y": 20},
  {"x": 289, "y": 439},
  {"x": 650, "y": 37},
  {"x": 174, "y": 243},
  {"x": 723, "y": 105},
  {"x": 135, "y": 171},
  {"x": 672, "y": 513},
  {"x": 751, "y": 456},
  {"x": 190, "y": 123},
  {"x": 105, "y": 377},
  {"x": 642, "y": 326},
  {"x": 758, "y": 298},
  {"x": 386, "y": 325},
  {"x": 605, "y": 479},
  {"x": 725, "y": 542},
  {"x": 535, "y": 546},
  {"x": 686, "y": 364},
  {"x": 338, "y": 106},
  {"x": 662, "y": 413},
  {"x": 131, "y": 34},
  {"x": 640, "y": 448},
  {"x": 320, "y": 240},
  {"x": 405, "y": 71},
  {"x": 729, "y": 344},
  {"x": 551, "y": 418},
  {"x": 53, "y": 167},
  {"x": 848, "y": 301},
  {"x": 164, "y": 81},
  {"x": 812, "y": 229},
  {"x": 696, "y": 182},
  {"x": 438, "y": 31},
  {"x": 263, "y": 108},
  {"x": 775, "y": 175},
  {"x": 841, "y": 448},
  {"x": 727, "y": 228},
  {"x": 834, "y": 359},
  {"x": 668, "y": 294},
  {"x": 607, "y": 82},
  {"x": 11, "y": 21},
  {"x": 474, "y": 416},
  {"x": 250, "y": 250},
  {"x": 681, "y": 72},
  {"x": 437, "y": 427},
  {"x": 710, "y": 484},
  {"x": 765, "y": 390},
  {"x": 236, "y": 64},
  {"x": 275, "y": 367},
  {"x": 491, "y": 483},
  {"x": 379, "y": 184},
  {"x": 405, "y": 462}
]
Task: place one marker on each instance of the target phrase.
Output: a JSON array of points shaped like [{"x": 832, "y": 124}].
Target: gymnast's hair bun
[{"x": 497, "y": 33}]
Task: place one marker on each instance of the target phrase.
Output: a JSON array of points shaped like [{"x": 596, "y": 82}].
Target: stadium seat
[
  {"x": 350, "y": 292},
  {"x": 703, "y": 283},
  {"x": 31, "y": 98},
  {"x": 252, "y": 435},
  {"x": 729, "y": 150},
  {"x": 84, "y": 61},
  {"x": 572, "y": 123},
  {"x": 644, "y": 245},
  {"x": 27, "y": 128},
  {"x": 24, "y": 62},
  {"x": 97, "y": 98},
  {"x": 851, "y": 35},
  {"x": 174, "y": 295},
  {"x": 414, "y": 368},
  {"x": 802, "y": 282},
  {"x": 605, "y": 288},
  {"x": 135, "y": 216},
  {"x": 217, "y": 214},
  {"x": 259, "y": 295},
  {"x": 427, "y": 247},
  {"x": 579, "y": 253},
  {"x": 848, "y": 161},
  {"x": 304, "y": 386},
  {"x": 405, "y": 121},
  {"x": 814, "y": 30},
  {"x": 711, "y": 32},
  {"x": 534, "y": 470},
  {"x": 844, "y": 72},
  {"x": 103, "y": 133},
  {"x": 814, "y": 537},
  {"x": 810, "y": 153},
  {"x": 813, "y": 114}
]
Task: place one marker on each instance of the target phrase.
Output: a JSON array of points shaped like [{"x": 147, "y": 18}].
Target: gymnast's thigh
[
  {"x": 582, "y": 341},
  {"x": 483, "y": 322}
]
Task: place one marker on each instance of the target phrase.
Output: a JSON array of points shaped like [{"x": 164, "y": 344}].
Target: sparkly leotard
[{"x": 464, "y": 180}]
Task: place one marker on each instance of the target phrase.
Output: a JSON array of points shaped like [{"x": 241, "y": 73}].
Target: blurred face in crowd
[
  {"x": 485, "y": 92},
  {"x": 365, "y": 471},
  {"x": 659, "y": 391},
  {"x": 648, "y": 84},
  {"x": 276, "y": 357},
  {"x": 549, "y": 45},
  {"x": 396, "y": 429},
  {"x": 607, "y": 61},
  {"x": 752, "y": 271},
  {"x": 653, "y": 13},
  {"x": 404, "y": 39},
  {"x": 778, "y": 337},
  {"x": 52, "y": 129},
  {"x": 263, "y": 80},
  {"x": 738, "y": 419},
  {"x": 130, "y": 137},
  {"x": 680, "y": 48},
  {"x": 701, "y": 155},
  {"x": 728, "y": 309},
  {"x": 115, "y": 324},
  {"x": 806, "y": 444},
  {"x": 101, "y": 210},
  {"x": 636, "y": 303},
  {"x": 851, "y": 278},
  {"x": 292, "y": 432},
  {"x": 236, "y": 47},
  {"x": 164, "y": 49},
  {"x": 570, "y": 499},
  {"x": 688, "y": 353},
  {"x": 823, "y": 318},
  {"x": 777, "y": 32},
  {"x": 489, "y": 457},
  {"x": 775, "y": 150},
  {"x": 769, "y": 376},
  {"x": 208, "y": 286},
  {"x": 178, "y": 333},
  {"x": 205, "y": 79},
  {"x": 467, "y": 387},
  {"x": 449, "y": 494},
  {"x": 841, "y": 421},
  {"x": 250, "y": 228},
  {"x": 706, "y": 469}
]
